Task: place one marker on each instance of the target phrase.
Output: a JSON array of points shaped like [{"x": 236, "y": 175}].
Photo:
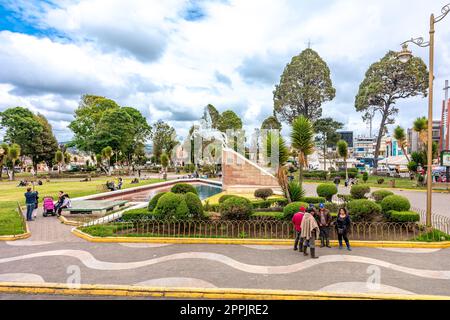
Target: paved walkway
[{"x": 209, "y": 266}]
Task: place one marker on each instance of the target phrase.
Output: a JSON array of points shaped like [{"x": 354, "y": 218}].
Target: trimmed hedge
[
  {"x": 359, "y": 191},
  {"x": 194, "y": 205},
  {"x": 263, "y": 193},
  {"x": 396, "y": 203},
  {"x": 225, "y": 197},
  {"x": 236, "y": 208},
  {"x": 316, "y": 175},
  {"x": 261, "y": 204},
  {"x": 363, "y": 209},
  {"x": 183, "y": 188},
  {"x": 403, "y": 216},
  {"x": 379, "y": 195},
  {"x": 345, "y": 197},
  {"x": 268, "y": 215},
  {"x": 327, "y": 191},
  {"x": 313, "y": 200},
  {"x": 137, "y": 214},
  {"x": 293, "y": 208},
  {"x": 351, "y": 174},
  {"x": 171, "y": 206},
  {"x": 154, "y": 201}
]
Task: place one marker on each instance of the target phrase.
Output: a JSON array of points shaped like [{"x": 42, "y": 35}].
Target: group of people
[
  {"x": 348, "y": 182},
  {"x": 311, "y": 224},
  {"x": 25, "y": 183},
  {"x": 32, "y": 203},
  {"x": 112, "y": 187}
]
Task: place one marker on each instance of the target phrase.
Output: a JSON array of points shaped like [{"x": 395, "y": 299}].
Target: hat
[
  {"x": 302, "y": 209},
  {"x": 311, "y": 205},
  {"x": 321, "y": 206}
]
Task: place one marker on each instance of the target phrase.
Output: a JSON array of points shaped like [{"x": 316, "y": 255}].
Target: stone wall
[{"x": 239, "y": 172}]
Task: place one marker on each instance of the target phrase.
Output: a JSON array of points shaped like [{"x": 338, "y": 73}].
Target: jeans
[
  {"x": 345, "y": 237},
  {"x": 60, "y": 209},
  {"x": 325, "y": 235},
  {"x": 297, "y": 239},
  {"x": 30, "y": 208}
]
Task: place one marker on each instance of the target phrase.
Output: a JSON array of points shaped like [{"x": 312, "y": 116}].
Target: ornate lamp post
[{"x": 404, "y": 57}]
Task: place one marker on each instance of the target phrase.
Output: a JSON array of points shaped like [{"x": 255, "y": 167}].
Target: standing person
[
  {"x": 343, "y": 223},
  {"x": 119, "y": 184},
  {"x": 36, "y": 206},
  {"x": 324, "y": 226},
  {"x": 310, "y": 231},
  {"x": 30, "y": 201},
  {"x": 297, "y": 221}
]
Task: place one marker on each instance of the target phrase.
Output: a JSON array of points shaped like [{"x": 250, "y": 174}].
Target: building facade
[{"x": 364, "y": 147}]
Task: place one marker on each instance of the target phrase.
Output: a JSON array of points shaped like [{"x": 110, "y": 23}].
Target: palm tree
[
  {"x": 400, "y": 136},
  {"x": 107, "y": 153},
  {"x": 302, "y": 139},
  {"x": 59, "y": 159},
  {"x": 13, "y": 156},
  {"x": 3, "y": 156},
  {"x": 421, "y": 127},
  {"x": 342, "y": 150}
]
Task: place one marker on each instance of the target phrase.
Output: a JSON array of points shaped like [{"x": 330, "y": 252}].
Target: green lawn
[
  {"x": 10, "y": 192},
  {"x": 10, "y": 221}
]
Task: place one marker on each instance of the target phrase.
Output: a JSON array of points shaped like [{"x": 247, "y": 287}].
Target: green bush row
[{"x": 402, "y": 216}]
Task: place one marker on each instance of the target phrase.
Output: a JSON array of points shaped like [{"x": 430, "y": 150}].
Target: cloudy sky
[{"x": 171, "y": 58}]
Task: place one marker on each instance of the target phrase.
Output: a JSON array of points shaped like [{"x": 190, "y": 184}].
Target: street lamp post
[{"x": 404, "y": 57}]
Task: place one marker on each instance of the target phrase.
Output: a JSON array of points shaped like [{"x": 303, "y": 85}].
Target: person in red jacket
[{"x": 297, "y": 221}]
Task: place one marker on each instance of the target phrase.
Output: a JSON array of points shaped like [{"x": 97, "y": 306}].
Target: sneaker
[{"x": 340, "y": 247}]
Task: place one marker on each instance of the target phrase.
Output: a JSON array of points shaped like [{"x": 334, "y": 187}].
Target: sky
[{"x": 171, "y": 58}]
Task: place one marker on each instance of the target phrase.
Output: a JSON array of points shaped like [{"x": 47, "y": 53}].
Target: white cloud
[{"x": 144, "y": 54}]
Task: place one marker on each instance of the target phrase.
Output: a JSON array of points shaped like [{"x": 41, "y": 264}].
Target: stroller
[{"x": 49, "y": 207}]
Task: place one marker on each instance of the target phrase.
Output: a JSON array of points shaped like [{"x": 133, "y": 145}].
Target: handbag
[{"x": 340, "y": 231}]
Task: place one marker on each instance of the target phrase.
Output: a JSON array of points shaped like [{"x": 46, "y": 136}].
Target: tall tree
[
  {"x": 305, "y": 84},
  {"x": 302, "y": 139},
  {"x": 107, "y": 153},
  {"x": 87, "y": 116},
  {"x": 342, "y": 151},
  {"x": 211, "y": 114},
  {"x": 229, "y": 120},
  {"x": 164, "y": 139},
  {"x": 3, "y": 157},
  {"x": 400, "y": 136},
  {"x": 271, "y": 123},
  {"x": 45, "y": 144},
  {"x": 14, "y": 152},
  {"x": 327, "y": 136},
  {"x": 59, "y": 159},
  {"x": 386, "y": 82}
]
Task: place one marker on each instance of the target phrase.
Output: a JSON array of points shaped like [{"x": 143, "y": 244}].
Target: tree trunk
[
  {"x": 300, "y": 169},
  {"x": 404, "y": 152},
  {"x": 325, "y": 158},
  {"x": 378, "y": 145},
  {"x": 35, "y": 166},
  {"x": 346, "y": 170}
]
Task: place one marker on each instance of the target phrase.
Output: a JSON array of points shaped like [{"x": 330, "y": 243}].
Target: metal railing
[
  {"x": 439, "y": 222},
  {"x": 256, "y": 229}
]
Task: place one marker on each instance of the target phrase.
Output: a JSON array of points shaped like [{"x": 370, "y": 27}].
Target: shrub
[
  {"x": 293, "y": 208},
  {"x": 345, "y": 197},
  {"x": 363, "y": 209},
  {"x": 380, "y": 181},
  {"x": 153, "y": 201},
  {"x": 396, "y": 203},
  {"x": 171, "y": 206},
  {"x": 403, "y": 216},
  {"x": 365, "y": 177},
  {"x": 136, "y": 214},
  {"x": 314, "y": 200},
  {"x": 379, "y": 195},
  {"x": 236, "y": 208},
  {"x": 268, "y": 215},
  {"x": 359, "y": 191},
  {"x": 296, "y": 191},
  {"x": 263, "y": 193},
  {"x": 327, "y": 191},
  {"x": 330, "y": 206},
  {"x": 194, "y": 205},
  {"x": 225, "y": 197},
  {"x": 183, "y": 188}
]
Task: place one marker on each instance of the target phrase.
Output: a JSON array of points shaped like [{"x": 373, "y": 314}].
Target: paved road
[{"x": 418, "y": 199}]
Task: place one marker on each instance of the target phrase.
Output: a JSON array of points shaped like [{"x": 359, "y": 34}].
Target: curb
[
  {"x": 69, "y": 222},
  {"x": 16, "y": 237},
  {"x": 366, "y": 244},
  {"x": 196, "y": 293}
]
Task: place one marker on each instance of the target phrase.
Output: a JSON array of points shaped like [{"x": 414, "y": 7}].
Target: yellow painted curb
[
  {"x": 196, "y": 293},
  {"x": 69, "y": 222},
  {"x": 367, "y": 244}
]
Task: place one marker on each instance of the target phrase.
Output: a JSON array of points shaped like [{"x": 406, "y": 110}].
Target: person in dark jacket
[
  {"x": 324, "y": 221},
  {"x": 30, "y": 201},
  {"x": 343, "y": 223}
]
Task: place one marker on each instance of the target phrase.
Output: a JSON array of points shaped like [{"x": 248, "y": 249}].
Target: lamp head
[{"x": 405, "y": 55}]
